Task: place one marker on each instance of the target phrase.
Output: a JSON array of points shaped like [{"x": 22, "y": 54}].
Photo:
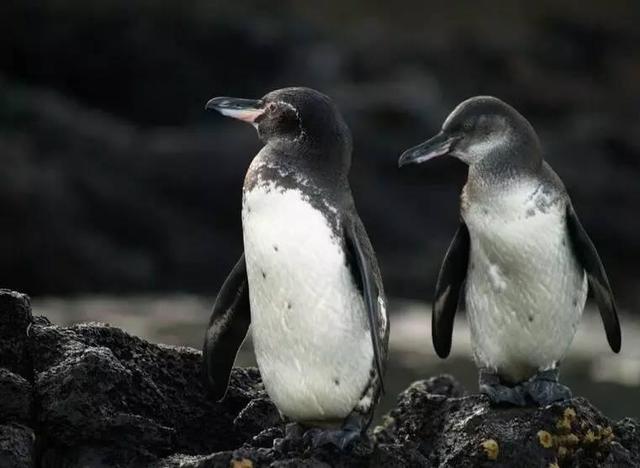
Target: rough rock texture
[
  {"x": 16, "y": 446},
  {"x": 15, "y": 318},
  {"x": 100, "y": 387},
  {"x": 17, "y": 439},
  {"x": 465, "y": 431},
  {"x": 94, "y": 396}
]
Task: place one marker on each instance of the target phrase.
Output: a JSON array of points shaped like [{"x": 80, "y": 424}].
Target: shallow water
[{"x": 611, "y": 382}]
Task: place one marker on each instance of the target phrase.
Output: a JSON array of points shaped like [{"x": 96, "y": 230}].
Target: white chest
[
  {"x": 308, "y": 323},
  {"x": 525, "y": 290}
]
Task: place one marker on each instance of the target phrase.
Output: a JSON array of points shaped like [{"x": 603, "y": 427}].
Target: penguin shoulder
[{"x": 526, "y": 201}]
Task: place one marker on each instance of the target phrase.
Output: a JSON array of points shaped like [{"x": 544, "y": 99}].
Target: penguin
[
  {"x": 520, "y": 259},
  {"x": 308, "y": 281}
]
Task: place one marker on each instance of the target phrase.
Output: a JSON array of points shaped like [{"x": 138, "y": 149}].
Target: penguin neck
[
  {"x": 506, "y": 165},
  {"x": 290, "y": 168},
  {"x": 328, "y": 161},
  {"x": 489, "y": 182}
]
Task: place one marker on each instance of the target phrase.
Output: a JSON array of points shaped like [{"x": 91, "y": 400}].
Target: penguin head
[
  {"x": 301, "y": 121},
  {"x": 484, "y": 132}
]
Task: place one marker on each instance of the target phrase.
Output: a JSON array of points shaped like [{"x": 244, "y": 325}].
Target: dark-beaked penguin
[
  {"x": 308, "y": 281},
  {"x": 522, "y": 252}
]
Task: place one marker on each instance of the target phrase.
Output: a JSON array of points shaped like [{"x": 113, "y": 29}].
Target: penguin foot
[
  {"x": 544, "y": 388},
  {"x": 340, "y": 438},
  {"x": 501, "y": 394},
  {"x": 293, "y": 433}
]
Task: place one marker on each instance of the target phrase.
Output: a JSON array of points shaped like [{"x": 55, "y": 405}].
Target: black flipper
[
  {"x": 453, "y": 273},
  {"x": 227, "y": 329},
  {"x": 587, "y": 255},
  {"x": 367, "y": 281}
]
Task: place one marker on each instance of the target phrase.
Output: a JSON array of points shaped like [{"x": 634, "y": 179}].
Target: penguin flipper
[
  {"x": 227, "y": 329},
  {"x": 365, "y": 275},
  {"x": 588, "y": 257},
  {"x": 453, "y": 273}
]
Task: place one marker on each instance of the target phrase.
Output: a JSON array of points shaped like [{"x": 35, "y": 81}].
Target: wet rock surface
[{"x": 96, "y": 396}]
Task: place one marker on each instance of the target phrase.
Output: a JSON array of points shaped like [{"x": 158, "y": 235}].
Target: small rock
[
  {"x": 101, "y": 388},
  {"x": 15, "y": 398},
  {"x": 17, "y": 446},
  {"x": 15, "y": 319},
  {"x": 258, "y": 415}
]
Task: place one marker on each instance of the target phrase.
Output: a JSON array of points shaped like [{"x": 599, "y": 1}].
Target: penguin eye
[
  {"x": 467, "y": 125},
  {"x": 271, "y": 108},
  {"x": 282, "y": 119},
  {"x": 279, "y": 110}
]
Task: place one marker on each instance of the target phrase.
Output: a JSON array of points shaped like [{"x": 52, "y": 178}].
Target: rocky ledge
[{"x": 94, "y": 396}]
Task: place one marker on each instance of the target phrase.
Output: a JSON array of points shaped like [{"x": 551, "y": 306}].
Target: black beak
[
  {"x": 439, "y": 145},
  {"x": 247, "y": 110}
]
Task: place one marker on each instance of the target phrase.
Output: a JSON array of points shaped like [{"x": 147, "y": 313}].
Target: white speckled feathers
[
  {"x": 309, "y": 324},
  {"x": 525, "y": 290}
]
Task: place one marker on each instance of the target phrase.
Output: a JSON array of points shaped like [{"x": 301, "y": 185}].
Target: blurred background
[{"x": 120, "y": 197}]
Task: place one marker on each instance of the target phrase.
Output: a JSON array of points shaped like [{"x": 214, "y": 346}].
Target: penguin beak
[
  {"x": 247, "y": 110},
  {"x": 439, "y": 145}
]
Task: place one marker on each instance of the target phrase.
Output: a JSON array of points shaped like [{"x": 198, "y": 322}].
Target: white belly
[
  {"x": 525, "y": 291},
  {"x": 308, "y": 323}
]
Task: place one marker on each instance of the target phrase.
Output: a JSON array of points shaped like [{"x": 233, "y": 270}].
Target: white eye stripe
[
  {"x": 288, "y": 105},
  {"x": 301, "y": 132}
]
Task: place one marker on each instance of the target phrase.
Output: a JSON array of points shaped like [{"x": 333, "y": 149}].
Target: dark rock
[
  {"x": 17, "y": 440},
  {"x": 17, "y": 446},
  {"x": 628, "y": 432},
  {"x": 399, "y": 456},
  {"x": 15, "y": 397},
  {"x": 424, "y": 397},
  {"x": 468, "y": 432},
  {"x": 15, "y": 318},
  {"x": 266, "y": 438},
  {"x": 100, "y": 397},
  {"x": 97, "y": 386},
  {"x": 258, "y": 413},
  {"x": 216, "y": 460}
]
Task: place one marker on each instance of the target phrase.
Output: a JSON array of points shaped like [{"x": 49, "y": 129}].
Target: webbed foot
[
  {"x": 499, "y": 393},
  {"x": 544, "y": 388},
  {"x": 353, "y": 430}
]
